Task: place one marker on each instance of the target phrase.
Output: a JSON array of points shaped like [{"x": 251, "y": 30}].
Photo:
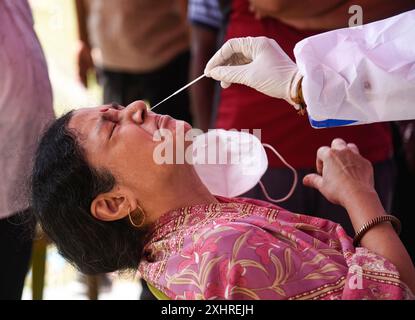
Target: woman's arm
[
  {"x": 346, "y": 178},
  {"x": 337, "y": 87}
]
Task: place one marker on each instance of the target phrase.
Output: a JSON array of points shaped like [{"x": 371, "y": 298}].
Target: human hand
[
  {"x": 85, "y": 62},
  {"x": 259, "y": 63},
  {"x": 342, "y": 173},
  {"x": 266, "y": 8},
  {"x": 256, "y": 10}
]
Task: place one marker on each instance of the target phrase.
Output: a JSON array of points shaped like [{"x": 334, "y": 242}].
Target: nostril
[{"x": 137, "y": 117}]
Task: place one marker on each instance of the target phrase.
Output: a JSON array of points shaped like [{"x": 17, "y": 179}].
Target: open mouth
[
  {"x": 158, "y": 120},
  {"x": 162, "y": 121}
]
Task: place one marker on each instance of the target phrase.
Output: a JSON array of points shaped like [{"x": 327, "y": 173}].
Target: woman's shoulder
[{"x": 232, "y": 237}]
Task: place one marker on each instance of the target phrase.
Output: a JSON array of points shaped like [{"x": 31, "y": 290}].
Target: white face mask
[{"x": 231, "y": 163}]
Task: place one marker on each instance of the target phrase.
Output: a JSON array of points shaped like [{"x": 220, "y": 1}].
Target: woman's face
[{"x": 121, "y": 140}]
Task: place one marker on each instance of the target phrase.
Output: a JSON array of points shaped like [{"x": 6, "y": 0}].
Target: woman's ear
[{"x": 110, "y": 206}]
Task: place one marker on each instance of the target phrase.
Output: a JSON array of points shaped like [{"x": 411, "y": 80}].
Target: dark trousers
[
  {"x": 15, "y": 250},
  {"x": 309, "y": 201},
  {"x": 403, "y": 202},
  {"x": 124, "y": 87}
]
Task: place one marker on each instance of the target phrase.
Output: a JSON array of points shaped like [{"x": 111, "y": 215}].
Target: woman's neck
[{"x": 186, "y": 189}]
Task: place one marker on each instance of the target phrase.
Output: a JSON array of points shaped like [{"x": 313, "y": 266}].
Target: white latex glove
[{"x": 259, "y": 63}]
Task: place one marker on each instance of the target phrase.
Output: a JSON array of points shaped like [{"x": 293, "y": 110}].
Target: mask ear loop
[{"x": 294, "y": 185}]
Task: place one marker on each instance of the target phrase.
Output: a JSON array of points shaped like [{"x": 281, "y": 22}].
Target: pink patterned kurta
[{"x": 250, "y": 249}]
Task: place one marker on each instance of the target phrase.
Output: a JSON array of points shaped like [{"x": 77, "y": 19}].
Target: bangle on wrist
[
  {"x": 298, "y": 99},
  {"x": 373, "y": 222}
]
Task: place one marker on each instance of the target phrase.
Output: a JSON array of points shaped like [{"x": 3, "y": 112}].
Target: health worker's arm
[{"x": 348, "y": 76}]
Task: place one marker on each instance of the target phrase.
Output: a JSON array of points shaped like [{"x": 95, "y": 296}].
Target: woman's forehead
[
  {"x": 89, "y": 110},
  {"x": 84, "y": 116}
]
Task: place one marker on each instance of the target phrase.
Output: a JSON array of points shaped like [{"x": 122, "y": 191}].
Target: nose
[{"x": 135, "y": 111}]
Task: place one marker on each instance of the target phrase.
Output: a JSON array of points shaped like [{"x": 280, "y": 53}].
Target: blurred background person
[
  {"x": 206, "y": 21},
  {"x": 140, "y": 50},
  {"x": 240, "y": 107},
  {"x": 25, "y": 107},
  {"x": 403, "y": 204}
]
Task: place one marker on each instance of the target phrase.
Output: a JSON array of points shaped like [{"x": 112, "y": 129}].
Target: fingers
[
  {"x": 338, "y": 144},
  {"x": 324, "y": 152},
  {"x": 229, "y": 74},
  {"x": 313, "y": 180},
  {"x": 225, "y": 85},
  {"x": 353, "y": 148},
  {"x": 322, "y": 155},
  {"x": 231, "y": 47},
  {"x": 234, "y": 52}
]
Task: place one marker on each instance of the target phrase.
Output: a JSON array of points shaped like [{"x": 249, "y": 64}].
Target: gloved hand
[{"x": 259, "y": 63}]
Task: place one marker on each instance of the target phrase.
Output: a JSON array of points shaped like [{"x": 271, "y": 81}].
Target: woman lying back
[{"x": 100, "y": 196}]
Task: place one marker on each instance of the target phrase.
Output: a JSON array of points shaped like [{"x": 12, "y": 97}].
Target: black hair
[{"x": 63, "y": 186}]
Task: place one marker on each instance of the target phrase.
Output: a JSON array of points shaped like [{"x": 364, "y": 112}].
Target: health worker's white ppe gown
[{"x": 361, "y": 74}]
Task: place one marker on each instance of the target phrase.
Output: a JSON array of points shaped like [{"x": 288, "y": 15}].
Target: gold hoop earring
[{"x": 137, "y": 217}]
